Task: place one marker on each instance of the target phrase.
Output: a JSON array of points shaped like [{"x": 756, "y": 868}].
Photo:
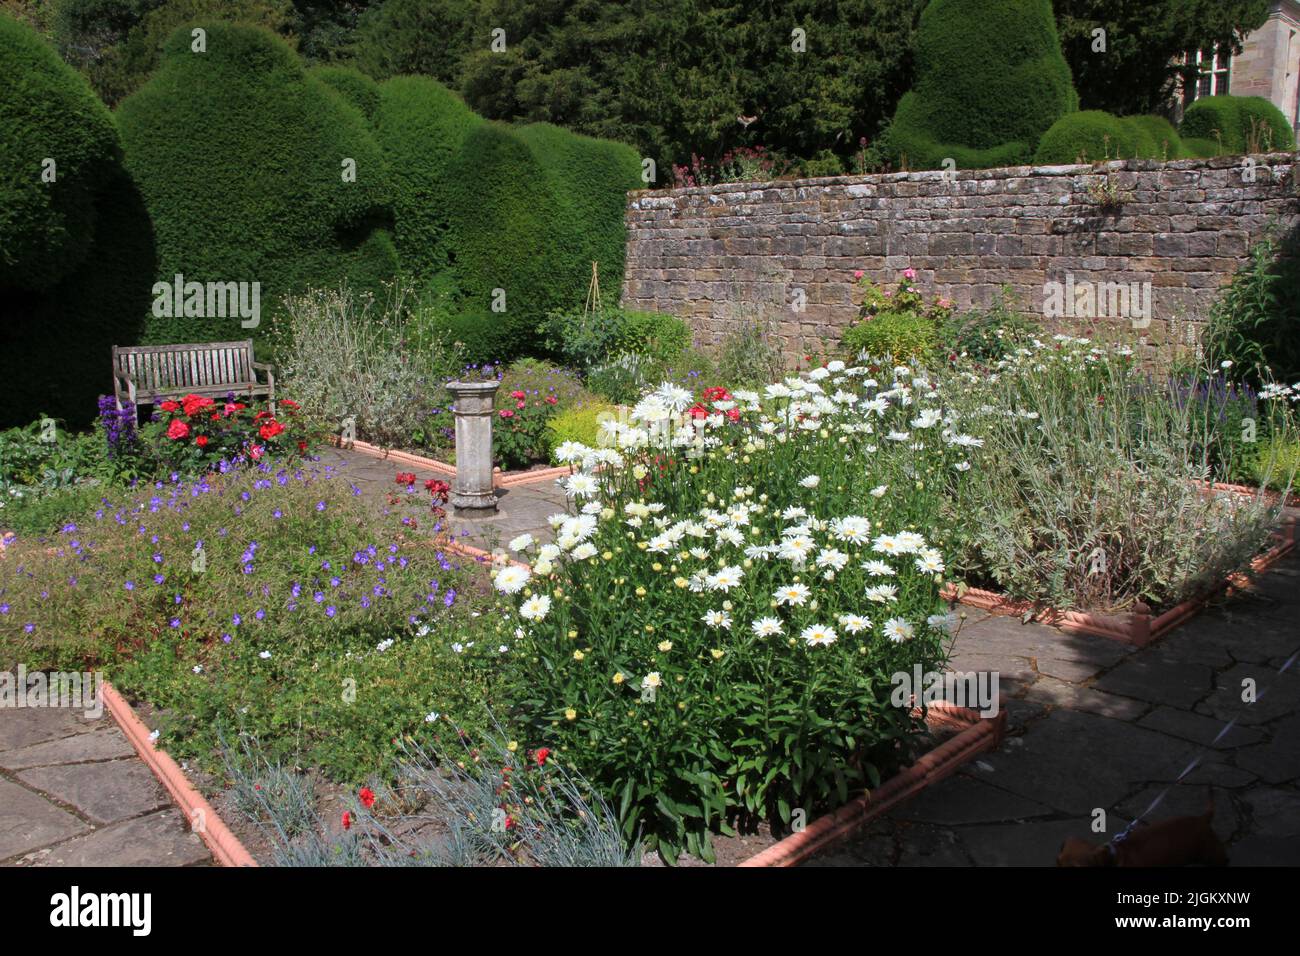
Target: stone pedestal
[{"x": 471, "y": 493}]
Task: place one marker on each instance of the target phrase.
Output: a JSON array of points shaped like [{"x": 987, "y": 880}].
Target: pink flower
[
  {"x": 858, "y": 274},
  {"x": 909, "y": 273},
  {"x": 507, "y": 413}
]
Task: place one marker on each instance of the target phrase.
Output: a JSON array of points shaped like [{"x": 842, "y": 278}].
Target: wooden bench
[{"x": 151, "y": 373}]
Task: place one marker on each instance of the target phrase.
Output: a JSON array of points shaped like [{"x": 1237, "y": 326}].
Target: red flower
[
  {"x": 289, "y": 402},
  {"x": 518, "y": 395},
  {"x": 405, "y": 478},
  {"x": 178, "y": 430},
  {"x": 169, "y": 406},
  {"x": 260, "y": 415},
  {"x": 733, "y": 414},
  {"x": 255, "y": 452},
  {"x": 507, "y": 413},
  {"x": 347, "y": 820},
  {"x": 520, "y": 404},
  {"x": 699, "y": 411},
  {"x": 302, "y": 447},
  {"x": 192, "y": 403},
  {"x": 270, "y": 429},
  {"x": 551, "y": 399},
  {"x": 367, "y": 797},
  {"x": 201, "y": 441},
  {"x": 542, "y": 754}
]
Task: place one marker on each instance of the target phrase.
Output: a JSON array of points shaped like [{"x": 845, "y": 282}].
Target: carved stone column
[{"x": 472, "y": 494}]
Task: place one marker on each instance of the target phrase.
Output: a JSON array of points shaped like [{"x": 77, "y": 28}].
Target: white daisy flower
[
  {"x": 717, "y": 619},
  {"x": 791, "y": 594},
  {"x": 535, "y": 608},
  {"x": 882, "y": 593},
  {"x": 898, "y": 630},
  {"x": 521, "y": 543},
  {"x": 724, "y": 579},
  {"x": 810, "y": 481},
  {"x": 878, "y": 568},
  {"x": 583, "y": 551},
  {"x": 818, "y": 635},
  {"x": 767, "y": 627},
  {"x": 854, "y": 623},
  {"x": 511, "y": 579}
]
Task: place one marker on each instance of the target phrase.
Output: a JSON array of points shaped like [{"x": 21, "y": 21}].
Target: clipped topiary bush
[
  {"x": 502, "y": 225},
  {"x": 58, "y": 147},
  {"x": 1237, "y": 124},
  {"x": 421, "y": 127},
  {"x": 243, "y": 161},
  {"x": 990, "y": 80},
  {"x": 1086, "y": 137},
  {"x": 589, "y": 179},
  {"x": 353, "y": 85},
  {"x": 1156, "y": 137}
]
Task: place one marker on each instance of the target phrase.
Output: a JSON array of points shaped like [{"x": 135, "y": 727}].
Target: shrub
[
  {"x": 895, "y": 323},
  {"x": 1087, "y": 137},
  {"x": 421, "y": 126},
  {"x": 238, "y": 153},
  {"x": 1086, "y": 497},
  {"x": 589, "y": 180},
  {"x": 750, "y": 351},
  {"x": 825, "y": 163},
  {"x": 681, "y": 671},
  {"x": 531, "y": 394},
  {"x": 354, "y": 86},
  {"x": 196, "y": 434},
  {"x": 1276, "y": 462},
  {"x": 1156, "y": 138},
  {"x": 49, "y": 113},
  {"x": 581, "y": 425},
  {"x": 587, "y": 339},
  {"x": 990, "y": 80},
  {"x": 348, "y": 356},
  {"x": 1253, "y": 323},
  {"x": 1238, "y": 124},
  {"x": 303, "y": 590},
  {"x": 987, "y": 335}
]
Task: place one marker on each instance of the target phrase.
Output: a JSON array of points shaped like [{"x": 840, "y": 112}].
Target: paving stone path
[
  {"x": 1095, "y": 723},
  {"x": 74, "y": 793}
]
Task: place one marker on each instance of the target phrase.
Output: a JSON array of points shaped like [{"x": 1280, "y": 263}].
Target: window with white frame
[{"x": 1213, "y": 74}]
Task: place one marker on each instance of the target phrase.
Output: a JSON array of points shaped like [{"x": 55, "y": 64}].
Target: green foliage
[
  {"x": 987, "y": 335},
  {"x": 421, "y": 127},
  {"x": 582, "y": 425},
  {"x": 825, "y": 163},
  {"x": 990, "y": 80},
  {"x": 1254, "y": 322},
  {"x": 895, "y": 323},
  {"x": 49, "y": 114},
  {"x": 1145, "y": 44},
  {"x": 239, "y": 154},
  {"x": 1093, "y": 136},
  {"x": 585, "y": 340},
  {"x": 1156, "y": 138},
  {"x": 532, "y": 393},
  {"x": 353, "y": 85},
  {"x": 1238, "y": 124},
  {"x": 1276, "y": 462},
  {"x": 750, "y": 351}
]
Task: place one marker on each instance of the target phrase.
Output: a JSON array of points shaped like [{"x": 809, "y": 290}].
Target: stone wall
[{"x": 716, "y": 255}]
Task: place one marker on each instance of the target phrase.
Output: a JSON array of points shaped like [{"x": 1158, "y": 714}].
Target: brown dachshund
[{"x": 1180, "y": 841}]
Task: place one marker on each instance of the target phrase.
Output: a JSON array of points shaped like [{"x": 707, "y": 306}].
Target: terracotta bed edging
[
  {"x": 1272, "y": 497},
  {"x": 225, "y": 846},
  {"x": 1134, "y": 627},
  {"x": 979, "y": 735},
  {"x": 500, "y": 479}
]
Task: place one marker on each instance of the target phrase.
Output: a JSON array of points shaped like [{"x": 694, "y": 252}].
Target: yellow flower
[
  {"x": 681, "y": 582},
  {"x": 578, "y": 655},
  {"x": 656, "y": 566},
  {"x": 573, "y": 634},
  {"x": 607, "y": 555},
  {"x": 570, "y": 714},
  {"x": 512, "y": 746},
  {"x": 619, "y": 678},
  {"x": 665, "y": 646},
  {"x": 640, "y": 592},
  {"x": 717, "y": 654}
]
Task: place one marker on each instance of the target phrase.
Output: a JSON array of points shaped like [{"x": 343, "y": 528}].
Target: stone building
[{"x": 1267, "y": 66}]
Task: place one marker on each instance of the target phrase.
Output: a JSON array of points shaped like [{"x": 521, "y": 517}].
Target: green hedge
[
  {"x": 239, "y": 155},
  {"x": 589, "y": 179},
  {"x": 421, "y": 127},
  {"x": 1094, "y": 136},
  {"x": 1237, "y": 124},
  {"x": 990, "y": 80},
  {"x": 47, "y": 110},
  {"x": 353, "y": 85}
]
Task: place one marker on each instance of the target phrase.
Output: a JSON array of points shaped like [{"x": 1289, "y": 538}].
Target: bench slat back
[{"x": 168, "y": 368}]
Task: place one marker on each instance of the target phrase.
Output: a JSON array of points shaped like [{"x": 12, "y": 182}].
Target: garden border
[
  {"x": 979, "y": 734},
  {"x": 225, "y": 846},
  {"x": 500, "y": 479},
  {"x": 1138, "y": 627}
]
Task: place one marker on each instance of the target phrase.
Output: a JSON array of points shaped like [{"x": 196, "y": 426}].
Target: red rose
[
  {"x": 169, "y": 406},
  {"x": 178, "y": 430},
  {"x": 367, "y": 797},
  {"x": 733, "y": 414},
  {"x": 270, "y": 429},
  {"x": 192, "y": 403},
  {"x": 551, "y": 399},
  {"x": 518, "y": 395},
  {"x": 347, "y": 820},
  {"x": 542, "y": 754},
  {"x": 507, "y": 413},
  {"x": 201, "y": 441},
  {"x": 699, "y": 411},
  {"x": 289, "y": 402},
  {"x": 255, "y": 452},
  {"x": 302, "y": 447}
]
